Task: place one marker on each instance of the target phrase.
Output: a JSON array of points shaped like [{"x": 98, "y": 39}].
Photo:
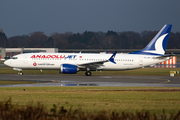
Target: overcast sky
[{"x": 22, "y": 17}]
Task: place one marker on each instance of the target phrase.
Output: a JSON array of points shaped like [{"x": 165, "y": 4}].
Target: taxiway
[{"x": 76, "y": 80}]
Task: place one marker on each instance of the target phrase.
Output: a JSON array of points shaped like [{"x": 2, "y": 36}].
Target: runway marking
[
  {"x": 51, "y": 80},
  {"x": 164, "y": 82}
]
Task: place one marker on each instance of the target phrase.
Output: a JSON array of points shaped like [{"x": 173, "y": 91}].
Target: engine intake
[{"x": 68, "y": 69}]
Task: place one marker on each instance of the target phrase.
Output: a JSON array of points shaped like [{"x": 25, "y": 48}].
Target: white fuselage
[{"x": 55, "y": 60}]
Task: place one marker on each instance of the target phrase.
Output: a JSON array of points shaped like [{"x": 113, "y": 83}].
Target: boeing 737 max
[{"x": 71, "y": 63}]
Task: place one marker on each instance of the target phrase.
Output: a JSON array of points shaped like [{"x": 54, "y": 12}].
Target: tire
[
  {"x": 88, "y": 73},
  {"x": 21, "y": 73}
]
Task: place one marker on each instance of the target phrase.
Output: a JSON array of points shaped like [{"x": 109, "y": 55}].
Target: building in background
[
  {"x": 2, "y": 53},
  {"x": 9, "y": 52}
]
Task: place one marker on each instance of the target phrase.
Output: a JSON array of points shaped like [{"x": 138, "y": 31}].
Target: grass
[
  {"x": 139, "y": 72},
  {"x": 39, "y": 112},
  {"x": 93, "y": 99},
  {"x": 5, "y": 82}
]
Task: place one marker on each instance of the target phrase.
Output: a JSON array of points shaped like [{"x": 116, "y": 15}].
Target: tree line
[{"x": 86, "y": 40}]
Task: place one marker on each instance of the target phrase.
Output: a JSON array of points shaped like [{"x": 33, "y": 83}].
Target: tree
[
  {"x": 50, "y": 42},
  {"x": 87, "y": 36},
  {"x": 88, "y": 39},
  {"x": 37, "y": 39},
  {"x": 74, "y": 38},
  {"x": 110, "y": 32},
  {"x": 3, "y": 40}
]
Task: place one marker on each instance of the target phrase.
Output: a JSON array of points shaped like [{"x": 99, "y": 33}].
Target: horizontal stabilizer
[{"x": 165, "y": 56}]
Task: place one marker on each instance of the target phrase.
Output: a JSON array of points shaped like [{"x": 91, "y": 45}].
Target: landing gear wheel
[
  {"x": 88, "y": 73},
  {"x": 20, "y": 73}
]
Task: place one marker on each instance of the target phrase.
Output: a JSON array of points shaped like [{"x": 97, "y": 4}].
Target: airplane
[{"x": 71, "y": 63}]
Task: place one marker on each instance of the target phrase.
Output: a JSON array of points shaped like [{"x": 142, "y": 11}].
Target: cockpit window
[{"x": 14, "y": 57}]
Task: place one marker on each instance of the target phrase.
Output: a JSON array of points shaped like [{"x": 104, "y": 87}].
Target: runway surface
[{"x": 76, "y": 80}]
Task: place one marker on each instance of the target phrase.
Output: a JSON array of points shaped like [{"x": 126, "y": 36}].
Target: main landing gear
[{"x": 88, "y": 73}]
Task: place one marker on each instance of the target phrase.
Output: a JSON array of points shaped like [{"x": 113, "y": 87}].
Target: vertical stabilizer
[{"x": 158, "y": 44}]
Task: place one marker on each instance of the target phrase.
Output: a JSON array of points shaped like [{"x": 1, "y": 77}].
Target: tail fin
[{"x": 158, "y": 44}]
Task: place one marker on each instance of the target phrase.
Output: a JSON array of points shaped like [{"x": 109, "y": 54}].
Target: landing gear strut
[
  {"x": 20, "y": 71},
  {"x": 88, "y": 73}
]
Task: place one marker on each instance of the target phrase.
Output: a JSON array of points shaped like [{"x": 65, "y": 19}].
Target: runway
[{"x": 77, "y": 80}]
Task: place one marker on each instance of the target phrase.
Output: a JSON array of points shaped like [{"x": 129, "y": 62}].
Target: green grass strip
[
  {"x": 5, "y": 82},
  {"x": 128, "y": 99}
]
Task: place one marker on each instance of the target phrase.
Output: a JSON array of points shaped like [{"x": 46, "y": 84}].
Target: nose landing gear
[{"x": 20, "y": 73}]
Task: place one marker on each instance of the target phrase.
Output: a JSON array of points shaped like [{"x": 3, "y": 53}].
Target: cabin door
[{"x": 140, "y": 60}]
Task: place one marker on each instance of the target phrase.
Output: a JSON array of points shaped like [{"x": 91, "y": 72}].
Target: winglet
[{"x": 111, "y": 59}]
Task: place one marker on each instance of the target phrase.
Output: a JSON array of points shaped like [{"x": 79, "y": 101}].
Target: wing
[
  {"x": 98, "y": 64},
  {"x": 93, "y": 65}
]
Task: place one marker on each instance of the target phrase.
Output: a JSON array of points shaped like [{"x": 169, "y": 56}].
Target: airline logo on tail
[{"x": 158, "y": 44}]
